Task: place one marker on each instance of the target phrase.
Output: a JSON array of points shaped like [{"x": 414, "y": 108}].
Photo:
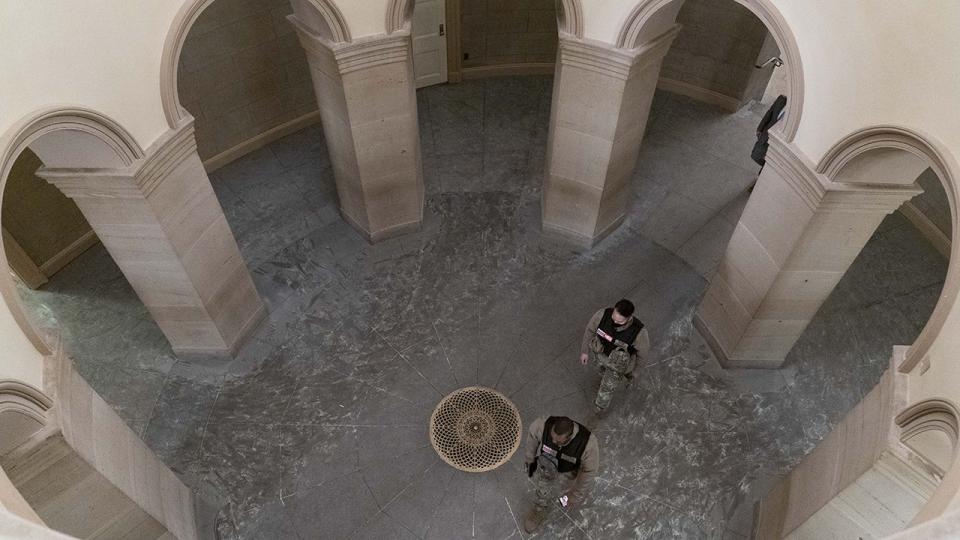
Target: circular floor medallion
[{"x": 475, "y": 429}]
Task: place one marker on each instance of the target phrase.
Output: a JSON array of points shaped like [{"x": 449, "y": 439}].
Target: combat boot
[{"x": 534, "y": 519}]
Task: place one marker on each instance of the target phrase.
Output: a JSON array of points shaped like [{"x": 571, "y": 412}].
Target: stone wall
[
  {"x": 242, "y": 72},
  {"x": 716, "y": 48},
  {"x": 498, "y": 32}
]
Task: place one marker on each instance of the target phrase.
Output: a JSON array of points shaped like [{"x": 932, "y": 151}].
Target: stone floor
[{"x": 319, "y": 427}]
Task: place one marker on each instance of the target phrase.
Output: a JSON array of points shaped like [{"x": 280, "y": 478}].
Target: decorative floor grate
[{"x": 475, "y": 429}]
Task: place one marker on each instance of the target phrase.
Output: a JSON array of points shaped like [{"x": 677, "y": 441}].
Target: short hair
[
  {"x": 562, "y": 426},
  {"x": 624, "y": 307}
]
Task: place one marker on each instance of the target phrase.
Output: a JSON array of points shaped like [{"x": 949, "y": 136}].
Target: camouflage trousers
[
  {"x": 549, "y": 484},
  {"x": 613, "y": 375}
]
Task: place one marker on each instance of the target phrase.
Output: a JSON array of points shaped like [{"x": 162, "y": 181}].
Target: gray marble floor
[{"x": 319, "y": 428}]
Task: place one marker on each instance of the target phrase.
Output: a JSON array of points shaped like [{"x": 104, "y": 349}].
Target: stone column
[
  {"x": 796, "y": 238},
  {"x": 601, "y": 101},
  {"x": 162, "y": 224},
  {"x": 368, "y": 107}
]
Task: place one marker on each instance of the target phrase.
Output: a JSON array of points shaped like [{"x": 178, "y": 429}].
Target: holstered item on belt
[
  {"x": 531, "y": 468},
  {"x": 619, "y": 360}
]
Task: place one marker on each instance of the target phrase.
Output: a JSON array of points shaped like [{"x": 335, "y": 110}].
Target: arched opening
[
  {"x": 66, "y": 308},
  {"x": 694, "y": 122},
  {"x": 150, "y": 287},
  {"x": 23, "y": 413},
  {"x": 861, "y": 280}
]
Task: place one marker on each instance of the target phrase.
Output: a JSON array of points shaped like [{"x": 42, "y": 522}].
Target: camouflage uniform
[
  {"x": 550, "y": 483},
  {"x": 617, "y": 368},
  {"x": 616, "y": 371},
  {"x": 547, "y": 480}
]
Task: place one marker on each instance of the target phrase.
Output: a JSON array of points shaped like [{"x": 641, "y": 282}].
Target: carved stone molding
[
  {"x": 877, "y": 137},
  {"x": 377, "y": 51},
  {"x": 796, "y": 170},
  {"x": 930, "y": 415},
  {"x": 135, "y": 182},
  {"x": 570, "y": 18},
  {"x": 22, "y": 398},
  {"x": 399, "y": 14},
  {"x": 866, "y": 199},
  {"x": 631, "y": 32},
  {"x": 938, "y": 414},
  {"x": 607, "y": 60},
  {"x": 175, "y": 114},
  {"x": 21, "y": 136},
  {"x": 358, "y": 55}
]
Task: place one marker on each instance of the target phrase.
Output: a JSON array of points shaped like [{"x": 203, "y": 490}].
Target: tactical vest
[
  {"x": 568, "y": 459},
  {"x": 607, "y": 333}
]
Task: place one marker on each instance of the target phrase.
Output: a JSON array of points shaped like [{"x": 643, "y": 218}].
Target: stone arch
[
  {"x": 882, "y": 140},
  {"x": 100, "y": 143},
  {"x": 932, "y": 429},
  {"x": 399, "y": 15},
  {"x": 570, "y": 17},
  {"x": 631, "y": 36},
  {"x": 23, "y": 412},
  {"x": 327, "y": 15}
]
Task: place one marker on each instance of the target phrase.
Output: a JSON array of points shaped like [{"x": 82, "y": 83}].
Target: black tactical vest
[
  {"x": 568, "y": 459},
  {"x": 607, "y": 332}
]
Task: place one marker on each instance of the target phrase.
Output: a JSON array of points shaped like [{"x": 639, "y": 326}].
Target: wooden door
[{"x": 429, "y": 42}]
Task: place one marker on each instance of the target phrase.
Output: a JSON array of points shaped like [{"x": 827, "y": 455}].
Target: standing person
[
  {"x": 772, "y": 116},
  {"x": 615, "y": 340},
  {"x": 559, "y": 452}
]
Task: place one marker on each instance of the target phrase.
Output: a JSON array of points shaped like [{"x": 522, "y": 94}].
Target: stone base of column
[
  {"x": 577, "y": 239},
  {"x": 219, "y": 355},
  {"x": 383, "y": 234},
  {"x": 729, "y": 361}
]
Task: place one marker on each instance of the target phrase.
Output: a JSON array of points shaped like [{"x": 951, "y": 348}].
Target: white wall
[
  {"x": 102, "y": 54},
  {"x": 364, "y": 17},
  {"x": 19, "y": 359},
  {"x": 872, "y": 62}
]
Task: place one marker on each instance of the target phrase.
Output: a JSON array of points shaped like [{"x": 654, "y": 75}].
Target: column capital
[
  {"x": 856, "y": 198},
  {"x": 610, "y": 60},
  {"x": 138, "y": 180},
  {"x": 823, "y": 195},
  {"x": 797, "y": 170},
  {"x": 359, "y": 54}
]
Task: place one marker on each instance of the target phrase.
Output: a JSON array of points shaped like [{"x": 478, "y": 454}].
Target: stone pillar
[
  {"x": 162, "y": 224},
  {"x": 796, "y": 238},
  {"x": 368, "y": 107},
  {"x": 601, "y": 101}
]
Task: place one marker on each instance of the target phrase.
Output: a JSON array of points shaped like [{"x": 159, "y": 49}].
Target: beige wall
[
  {"x": 496, "y": 32},
  {"x": 242, "y": 72},
  {"x": 41, "y": 219},
  {"x": 716, "y": 48}
]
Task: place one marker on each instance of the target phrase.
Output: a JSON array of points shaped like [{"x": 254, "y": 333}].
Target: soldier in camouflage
[
  {"x": 617, "y": 342},
  {"x": 562, "y": 457}
]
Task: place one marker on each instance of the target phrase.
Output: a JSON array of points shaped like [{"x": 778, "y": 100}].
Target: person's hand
[{"x": 584, "y": 358}]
